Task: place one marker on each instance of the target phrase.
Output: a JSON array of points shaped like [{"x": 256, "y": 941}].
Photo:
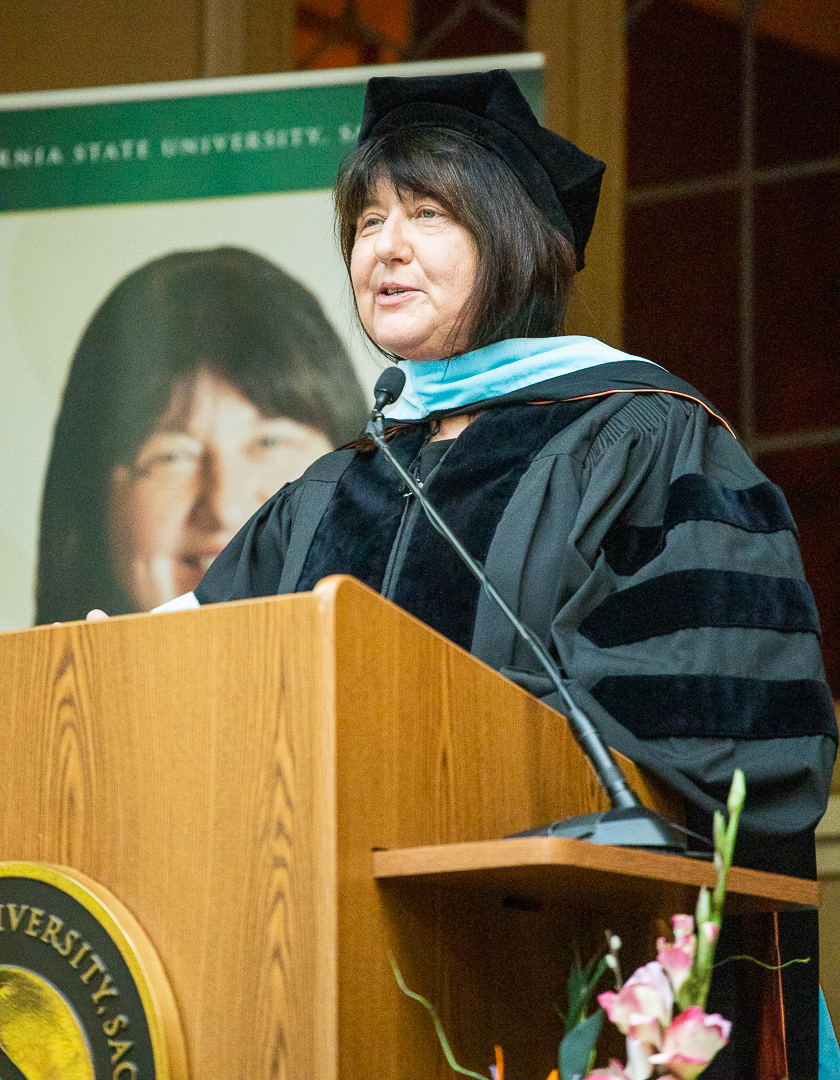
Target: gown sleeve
[{"x": 663, "y": 568}]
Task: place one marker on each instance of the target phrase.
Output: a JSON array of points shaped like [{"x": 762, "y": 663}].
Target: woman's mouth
[
  {"x": 200, "y": 561},
  {"x": 391, "y": 293}
]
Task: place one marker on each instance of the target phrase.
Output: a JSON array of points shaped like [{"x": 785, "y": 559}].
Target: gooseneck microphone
[
  {"x": 628, "y": 823},
  {"x": 388, "y": 388}
]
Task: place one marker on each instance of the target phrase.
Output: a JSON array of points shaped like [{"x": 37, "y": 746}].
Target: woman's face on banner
[{"x": 212, "y": 460}]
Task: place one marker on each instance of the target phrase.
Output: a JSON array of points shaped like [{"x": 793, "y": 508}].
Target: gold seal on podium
[{"x": 83, "y": 995}]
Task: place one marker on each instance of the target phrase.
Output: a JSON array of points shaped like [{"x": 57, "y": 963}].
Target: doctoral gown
[{"x": 619, "y": 517}]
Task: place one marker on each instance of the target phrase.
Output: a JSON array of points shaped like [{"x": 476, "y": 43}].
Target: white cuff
[{"x": 180, "y": 603}]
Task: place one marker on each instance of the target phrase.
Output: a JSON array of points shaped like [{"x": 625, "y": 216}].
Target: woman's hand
[{"x": 97, "y": 615}]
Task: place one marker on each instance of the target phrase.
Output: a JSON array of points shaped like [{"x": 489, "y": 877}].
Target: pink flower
[
  {"x": 677, "y": 959},
  {"x": 644, "y": 1003},
  {"x": 691, "y": 1041},
  {"x": 614, "y": 1070},
  {"x": 683, "y": 927},
  {"x": 644, "y": 1030}
]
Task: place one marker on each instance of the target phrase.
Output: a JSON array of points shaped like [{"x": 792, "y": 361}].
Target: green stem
[
  {"x": 695, "y": 989},
  {"x": 444, "y": 1042},
  {"x": 761, "y": 964}
]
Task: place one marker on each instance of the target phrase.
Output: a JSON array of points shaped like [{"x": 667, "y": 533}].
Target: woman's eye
[
  {"x": 430, "y": 213},
  {"x": 267, "y": 442},
  {"x": 369, "y": 221},
  {"x": 163, "y": 462},
  {"x": 171, "y": 460}
]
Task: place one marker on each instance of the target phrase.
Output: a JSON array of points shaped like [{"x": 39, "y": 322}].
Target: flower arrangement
[{"x": 659, "y": 1043}]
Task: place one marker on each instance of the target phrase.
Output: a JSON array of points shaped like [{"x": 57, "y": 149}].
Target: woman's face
[
  {"x": 413, "y": 269},
  {"x": 212, "y": 460}
]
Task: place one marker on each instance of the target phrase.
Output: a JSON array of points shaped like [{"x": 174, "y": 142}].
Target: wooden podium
[{"x": 283, "y": 790}]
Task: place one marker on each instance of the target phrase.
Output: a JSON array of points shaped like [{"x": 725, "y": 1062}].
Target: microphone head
[{"x": 388, "y": 387}]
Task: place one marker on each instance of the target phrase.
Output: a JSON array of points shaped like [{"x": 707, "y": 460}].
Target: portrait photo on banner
[{"x": 197, "y": 359}]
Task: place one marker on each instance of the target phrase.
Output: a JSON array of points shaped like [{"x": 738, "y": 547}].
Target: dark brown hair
[{"x": 525, "y": 266}]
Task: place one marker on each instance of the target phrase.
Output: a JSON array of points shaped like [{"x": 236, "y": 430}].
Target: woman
[
  {"x": 608, "y": 501},
  {"x": 204, "y": 381}
]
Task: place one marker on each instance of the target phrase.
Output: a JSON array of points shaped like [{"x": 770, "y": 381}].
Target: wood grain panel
[
  {"x": 177, "y": 761},
  {"x": 52, "y": 46}
]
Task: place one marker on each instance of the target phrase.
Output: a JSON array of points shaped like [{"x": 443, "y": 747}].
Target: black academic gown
[{"x": 621, "y": 520}]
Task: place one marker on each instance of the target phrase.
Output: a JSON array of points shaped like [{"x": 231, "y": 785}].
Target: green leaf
[
  {"x": 582, "y": 983},
  {"x": 576, "y": 1050},
  {"x": 577, "y": 982}
]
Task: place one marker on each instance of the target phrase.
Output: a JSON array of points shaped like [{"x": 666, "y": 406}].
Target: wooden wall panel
[
  {"x": 583, "y": 42},
  {"x": 58, "y": 44}
]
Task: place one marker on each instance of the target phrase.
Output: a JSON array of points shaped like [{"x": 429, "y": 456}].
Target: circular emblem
[{"x": 83, "y": 995}]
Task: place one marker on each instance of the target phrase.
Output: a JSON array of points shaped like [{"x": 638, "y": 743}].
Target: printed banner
[{"x": 177, "y": 337}]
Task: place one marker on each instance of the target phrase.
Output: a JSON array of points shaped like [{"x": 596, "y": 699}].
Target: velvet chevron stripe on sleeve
[
  {"x": 693, "y": 497},
  {"x": 688, "y": 599},
  {"x": 717, "y": 706}
]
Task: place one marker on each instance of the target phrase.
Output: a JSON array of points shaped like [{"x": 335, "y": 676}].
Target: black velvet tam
[{"x": 489, "y": 108}]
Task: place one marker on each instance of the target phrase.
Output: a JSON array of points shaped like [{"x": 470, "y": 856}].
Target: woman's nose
[
  {"x": 223, "y": 500},
  {"x": 392, "y": 243}
]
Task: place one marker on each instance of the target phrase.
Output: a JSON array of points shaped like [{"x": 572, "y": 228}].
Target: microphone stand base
[{"x": 635, "y": 826}]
